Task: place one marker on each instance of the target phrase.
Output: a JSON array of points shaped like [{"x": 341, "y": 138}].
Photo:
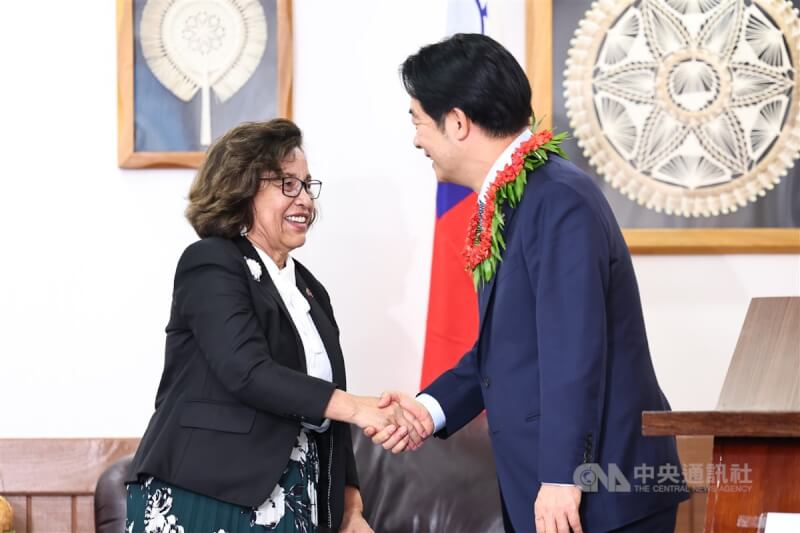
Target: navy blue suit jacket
[{"x": 561, "y": 363}]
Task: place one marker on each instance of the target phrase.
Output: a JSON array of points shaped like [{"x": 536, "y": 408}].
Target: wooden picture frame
[
  {"x": 539, "y": 66},
  {"x": 128, "y": 156}
]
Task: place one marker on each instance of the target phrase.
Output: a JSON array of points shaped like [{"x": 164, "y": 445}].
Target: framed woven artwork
[
  {"x": 189, "y": 70},
  {"x": 687, "y": 111}
]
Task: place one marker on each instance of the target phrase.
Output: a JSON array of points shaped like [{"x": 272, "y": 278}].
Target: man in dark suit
[{"x": 561, "y": 364}]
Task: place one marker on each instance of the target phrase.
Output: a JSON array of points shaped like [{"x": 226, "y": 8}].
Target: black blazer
[{"x": 235, "y": 388}]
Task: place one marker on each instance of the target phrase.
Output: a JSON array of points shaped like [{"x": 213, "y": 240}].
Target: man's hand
[
  {"x": 413, "y": 412},
  {"x": 556, "y": 509},
  {"x": 387, "y": 416}
]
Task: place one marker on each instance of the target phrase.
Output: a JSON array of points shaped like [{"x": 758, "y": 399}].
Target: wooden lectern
[{"x": 755, "y": 466}]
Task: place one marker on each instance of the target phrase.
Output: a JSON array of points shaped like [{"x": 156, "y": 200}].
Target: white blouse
[{"x": 317, "y": 361}]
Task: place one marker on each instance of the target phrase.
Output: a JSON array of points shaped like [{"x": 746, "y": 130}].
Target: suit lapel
[
  {"x": 324, "y": 325},
  {"x": 267, "y": 287}
]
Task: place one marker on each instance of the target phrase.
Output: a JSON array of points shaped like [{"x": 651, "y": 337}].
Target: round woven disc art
[
  {"x": 688, "y": 107},
  {"x": 193, "y": 45}
]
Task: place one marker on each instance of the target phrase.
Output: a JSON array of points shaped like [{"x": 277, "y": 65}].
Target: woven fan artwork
[
  {"x": 200, "y": 45},
  {"x": 687, "y": 107}
]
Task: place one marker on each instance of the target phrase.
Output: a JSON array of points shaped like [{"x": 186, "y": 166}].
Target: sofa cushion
[
  {"x": 447, "y": 485},
  {"x": 110, "y": 498}
]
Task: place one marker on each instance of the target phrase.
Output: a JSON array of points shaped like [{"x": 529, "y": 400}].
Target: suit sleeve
[
  {"x": 212, "y": 294},
  {"x": 458, "y": 391},
  {"x": 571, "y": 280}
]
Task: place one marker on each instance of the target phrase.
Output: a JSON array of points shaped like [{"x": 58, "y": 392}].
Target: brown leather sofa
[{"x": 446, "y": 486}]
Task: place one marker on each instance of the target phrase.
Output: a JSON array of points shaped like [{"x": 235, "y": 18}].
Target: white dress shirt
[
  {"x": 501, "y": 162},
  {"x": 317, "y": 362}
]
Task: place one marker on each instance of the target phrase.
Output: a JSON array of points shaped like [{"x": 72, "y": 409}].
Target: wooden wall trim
[
  {"x": 125, "y": 133},
  {"x": 285, "y": 58},
  {"x": 54, "y": 467},
  {"x": 539, "y": 57},
  {"x": 714, "y": 241}
]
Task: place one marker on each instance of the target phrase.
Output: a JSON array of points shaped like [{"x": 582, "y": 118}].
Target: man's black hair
[{"x": 474, "y": 73}]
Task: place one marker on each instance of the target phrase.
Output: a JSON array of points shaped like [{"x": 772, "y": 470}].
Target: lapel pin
[
  {"x": 308, "y": 293},
  {"x": 255, "y": 268}
]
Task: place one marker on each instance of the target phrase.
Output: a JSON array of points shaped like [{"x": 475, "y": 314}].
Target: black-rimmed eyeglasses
[{"x": 291, "y": 186}]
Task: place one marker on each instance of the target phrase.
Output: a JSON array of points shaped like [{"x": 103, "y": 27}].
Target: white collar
[
  {"x": 285, "y": 281},
  {"x": 502, "y": 161},
  {"x": 285, "y": 274}
]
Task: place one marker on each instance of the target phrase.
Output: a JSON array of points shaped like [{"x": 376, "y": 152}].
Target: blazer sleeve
[
  {"x": 570, "y": 271},
  {"x": 458, "y": 391},
  {"x": 213, "y": 297}
]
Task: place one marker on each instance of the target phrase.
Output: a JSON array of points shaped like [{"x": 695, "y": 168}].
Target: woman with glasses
[{"x": 250, "y": 431}]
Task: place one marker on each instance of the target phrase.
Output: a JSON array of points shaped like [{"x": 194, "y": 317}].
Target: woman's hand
[
  {"x": 353, "y": 520},
  {"x": 413, "y": 411},
  {"x": 367, "y": 412},
  {"x": 391, "y": 418}
]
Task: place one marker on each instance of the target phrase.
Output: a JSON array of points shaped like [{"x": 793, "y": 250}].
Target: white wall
[{"x": 88, "y": 250}]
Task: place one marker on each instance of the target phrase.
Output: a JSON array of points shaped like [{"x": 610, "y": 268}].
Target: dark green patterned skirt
[{"x": 158, "y": 507}]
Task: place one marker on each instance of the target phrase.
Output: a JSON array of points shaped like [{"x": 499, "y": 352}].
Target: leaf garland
[{"x": 484, "y": 249}]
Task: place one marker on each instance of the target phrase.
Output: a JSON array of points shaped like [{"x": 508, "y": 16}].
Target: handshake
[{"x": 395, "y": 421}]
